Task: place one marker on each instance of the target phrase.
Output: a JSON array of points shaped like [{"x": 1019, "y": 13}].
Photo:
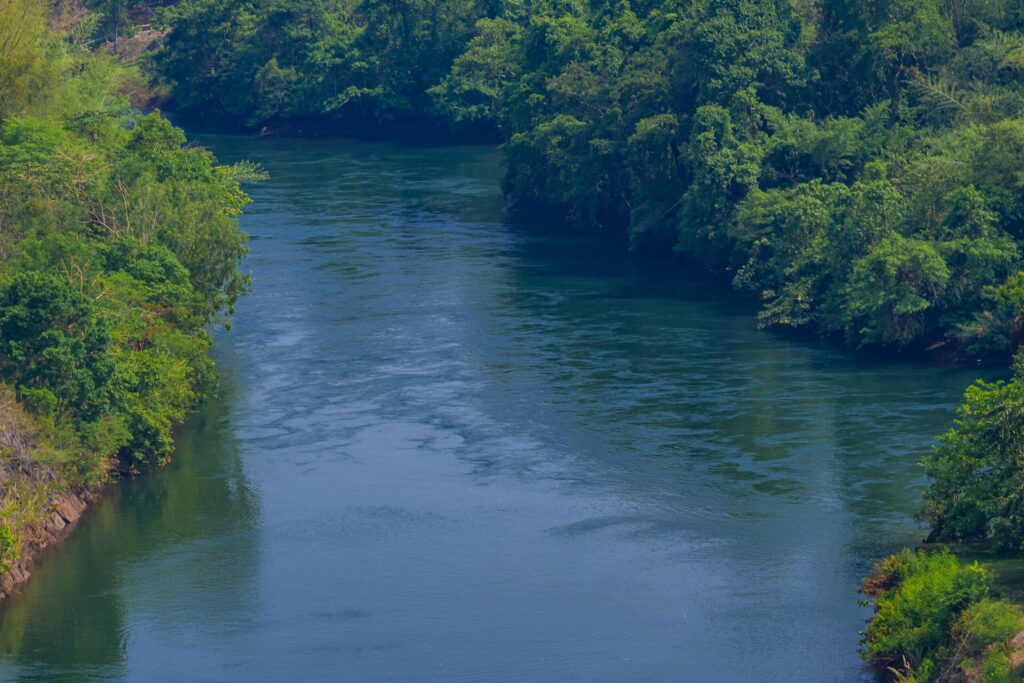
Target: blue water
[{"x": 450, "y": 447}]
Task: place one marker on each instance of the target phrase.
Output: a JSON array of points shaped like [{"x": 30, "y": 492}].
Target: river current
[{"x": 452, "y": 447}]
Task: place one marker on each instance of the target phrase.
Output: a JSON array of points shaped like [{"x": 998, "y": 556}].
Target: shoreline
[
  {"x": 65, "y": 505},
  {"x": 40, "y": 501},
  {"x": 65, "y": 511}
]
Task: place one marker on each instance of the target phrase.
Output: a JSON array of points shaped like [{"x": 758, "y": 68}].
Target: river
[{"x": 450, "y": 447}]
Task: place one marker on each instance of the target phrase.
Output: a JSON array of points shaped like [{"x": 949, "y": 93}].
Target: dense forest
[
  {"x": 856, "y": 165},
  {"x": 119, "y": 245}
]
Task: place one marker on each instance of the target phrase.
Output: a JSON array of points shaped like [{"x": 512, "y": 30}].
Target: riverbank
[
  {"x": 45, "y": 533},
  {"x": 943, "y": 609},
  {"x": 946, "y": 612},
  {"x": 119, "y": 251},
  {"x": 39, "y": 502}
]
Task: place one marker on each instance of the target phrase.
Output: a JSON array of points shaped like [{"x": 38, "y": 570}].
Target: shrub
[
  {"x": 976, "y": 491},
  {"x": 988, "y": 622},
  {"x": 8, "y": 547},
  {"x": 913, "y": 618}
]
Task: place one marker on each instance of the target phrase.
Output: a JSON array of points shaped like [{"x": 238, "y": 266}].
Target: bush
[
  {"x": 982, "y": 634},
  {"x": 913, "y": 618},
  {"x": 8, "y": 547},
  {"x": 987, "y": 622},
  {"x": 977, "y": 470}
]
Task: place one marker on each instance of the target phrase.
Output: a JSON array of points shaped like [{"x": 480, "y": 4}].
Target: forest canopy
[{"x": 857, "y": 166}]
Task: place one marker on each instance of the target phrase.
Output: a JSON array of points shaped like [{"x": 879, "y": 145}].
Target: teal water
[{"x": 448, "y": 447}]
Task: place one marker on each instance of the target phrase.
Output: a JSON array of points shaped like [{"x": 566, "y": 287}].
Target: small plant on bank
[
  {"x": 938, "y": 619},
  {"x": 8, "y": 548},
  {"x": 913, "y": 618},
  {"x": 982, "y": 641}
]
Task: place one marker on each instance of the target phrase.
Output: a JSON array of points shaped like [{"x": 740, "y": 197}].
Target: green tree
[
  {"x": 53, "y": 342},
  {"x": 977, "y": 480},
  {"x": 21, "y": 59}
]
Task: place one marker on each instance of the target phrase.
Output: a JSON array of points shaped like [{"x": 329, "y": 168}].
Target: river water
[{"x": 448, "y": 447}]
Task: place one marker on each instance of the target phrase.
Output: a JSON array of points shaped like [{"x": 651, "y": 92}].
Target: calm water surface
[{"x": 451, "y": 448}]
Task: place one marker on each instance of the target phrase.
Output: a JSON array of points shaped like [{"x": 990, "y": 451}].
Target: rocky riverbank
[
  {"x": 65, "y": 511},
  {"x": 41, "y": 497}
]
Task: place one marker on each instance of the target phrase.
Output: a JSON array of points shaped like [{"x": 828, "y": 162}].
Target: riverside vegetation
[
  {"x": 857, "y": 166},
  {"x": 119, "y": 244}
]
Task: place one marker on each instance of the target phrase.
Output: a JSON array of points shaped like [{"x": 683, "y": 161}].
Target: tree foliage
[
  {"x": 856, "y": 165},
  {"x": 119, "y": 244},
  {"x": 977, "y": 470}
]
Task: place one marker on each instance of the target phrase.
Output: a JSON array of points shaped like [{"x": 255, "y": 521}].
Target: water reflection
[{"x": 126, "y": 580}]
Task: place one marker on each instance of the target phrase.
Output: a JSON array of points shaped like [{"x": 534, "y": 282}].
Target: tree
[
  {"x": 977, "y": 470},
  {"x": 21, "y": 35},
  {"x": 55, "y": 347}
]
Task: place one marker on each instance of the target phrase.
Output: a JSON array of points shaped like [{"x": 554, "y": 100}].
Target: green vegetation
[
  {"x": 858, "y": 166},
  {"x": 977, "y": 471},
  {"x": 8, "y": 547},
  {"x": 271, "y": 60},
  {"x": 118, "y": 246},
  {"x": 935, "y": 618},
  {"x": 938, "y": 619}
]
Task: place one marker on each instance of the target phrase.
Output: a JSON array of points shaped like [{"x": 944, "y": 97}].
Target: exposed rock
[
  {"x": 66, "y": 509},
  {"x": 57, "y": 521},
  {"x": 1017, "y": 655},
  {"x": 70, "y": 507}
]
